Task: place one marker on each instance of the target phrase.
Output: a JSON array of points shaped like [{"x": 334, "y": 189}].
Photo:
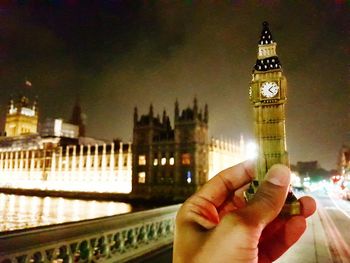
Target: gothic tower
[
  {"x": 21, "y": 117},
  {"x": 152, "y": 156},
  {"x": 77, "y": 118},
  {"x": 267, "y": 94},
  {"x": 191, "y": 140},
  {"x": 170, "y": 163}
]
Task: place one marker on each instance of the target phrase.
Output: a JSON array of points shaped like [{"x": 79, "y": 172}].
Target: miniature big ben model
[{"x": 267, "y": 94}]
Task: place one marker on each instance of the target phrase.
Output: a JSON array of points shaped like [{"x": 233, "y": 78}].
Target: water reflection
[{"x": 18, "y": 211}]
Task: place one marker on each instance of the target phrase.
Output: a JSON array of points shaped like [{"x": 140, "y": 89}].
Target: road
[
  {"x": 335, "y": 217},
  {"x": 327, "y": 238}
]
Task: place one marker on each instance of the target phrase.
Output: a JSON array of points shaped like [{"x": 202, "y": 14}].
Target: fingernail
[{"x": 279, "y": 175}]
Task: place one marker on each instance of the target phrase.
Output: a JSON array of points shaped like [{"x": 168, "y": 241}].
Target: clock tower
[{"x": 267, "y": 94}]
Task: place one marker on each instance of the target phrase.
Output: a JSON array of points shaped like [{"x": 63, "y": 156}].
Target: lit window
[
  {"x": 155, "y": 162},
  {"x": 163, "y": 161},
  {"x": 171, "y": 161},
  {"x": 142, "y": 177},
  {"x": 189, "y": 177},
  {"x": 142, "y": 159},
  {"x": 186, "y": 159}
]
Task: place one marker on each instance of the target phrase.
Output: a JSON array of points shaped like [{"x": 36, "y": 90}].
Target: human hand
[{"x": 216, "y": 224}]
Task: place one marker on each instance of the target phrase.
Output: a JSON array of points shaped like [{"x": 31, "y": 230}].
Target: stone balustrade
[{"x": 117, "y": 238}]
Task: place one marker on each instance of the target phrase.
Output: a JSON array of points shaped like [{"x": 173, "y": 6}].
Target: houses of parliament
[{"x": 161, "y": 161}]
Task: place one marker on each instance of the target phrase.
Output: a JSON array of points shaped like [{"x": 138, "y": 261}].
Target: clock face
[{"x": 269, "y": 89}]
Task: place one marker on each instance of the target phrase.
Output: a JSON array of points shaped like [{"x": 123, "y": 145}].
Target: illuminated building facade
[
  {"x": 223, "y": 154},
  {"x": 172, "y": 163},
  {"x": 59, "y": 159},
  {"x": 162, "y": 161},
  {"x": 58, "y": 164},
  {"x": 21, "y": 117},
  {"x": 59, "y": 128}
]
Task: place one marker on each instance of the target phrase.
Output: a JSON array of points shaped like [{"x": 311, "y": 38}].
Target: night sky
[{"x": 115, "y": 55}]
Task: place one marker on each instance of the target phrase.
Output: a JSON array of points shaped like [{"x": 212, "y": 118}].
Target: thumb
[{"x": 270, "y": 197}]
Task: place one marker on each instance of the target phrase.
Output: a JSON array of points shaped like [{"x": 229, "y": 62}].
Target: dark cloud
[{"x": 119, "y": 54}]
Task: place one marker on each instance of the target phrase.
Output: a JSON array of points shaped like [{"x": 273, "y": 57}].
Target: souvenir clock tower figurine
[{"x": 267, "y": 94}]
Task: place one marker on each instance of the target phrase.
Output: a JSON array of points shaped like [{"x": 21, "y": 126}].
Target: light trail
[{"x": 338, "y": 247}]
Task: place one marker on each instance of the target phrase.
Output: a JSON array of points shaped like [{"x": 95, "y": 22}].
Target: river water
[{"x": 20, "y": 212}]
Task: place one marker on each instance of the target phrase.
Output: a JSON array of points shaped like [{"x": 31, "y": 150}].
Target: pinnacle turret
[
  {"x": 151, "y": 110},
  {"x": 135, "y": 115},
  {"x": 77, "y": 118}
]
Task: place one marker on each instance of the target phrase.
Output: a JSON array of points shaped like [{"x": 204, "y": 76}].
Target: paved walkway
[{"x": 312, "y": 247}]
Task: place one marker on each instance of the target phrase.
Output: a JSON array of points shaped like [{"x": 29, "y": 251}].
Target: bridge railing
[{"x": 117, "y": 238}]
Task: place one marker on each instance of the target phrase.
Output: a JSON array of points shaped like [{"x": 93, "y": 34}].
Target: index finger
[{"x": 223, "y": 185}]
